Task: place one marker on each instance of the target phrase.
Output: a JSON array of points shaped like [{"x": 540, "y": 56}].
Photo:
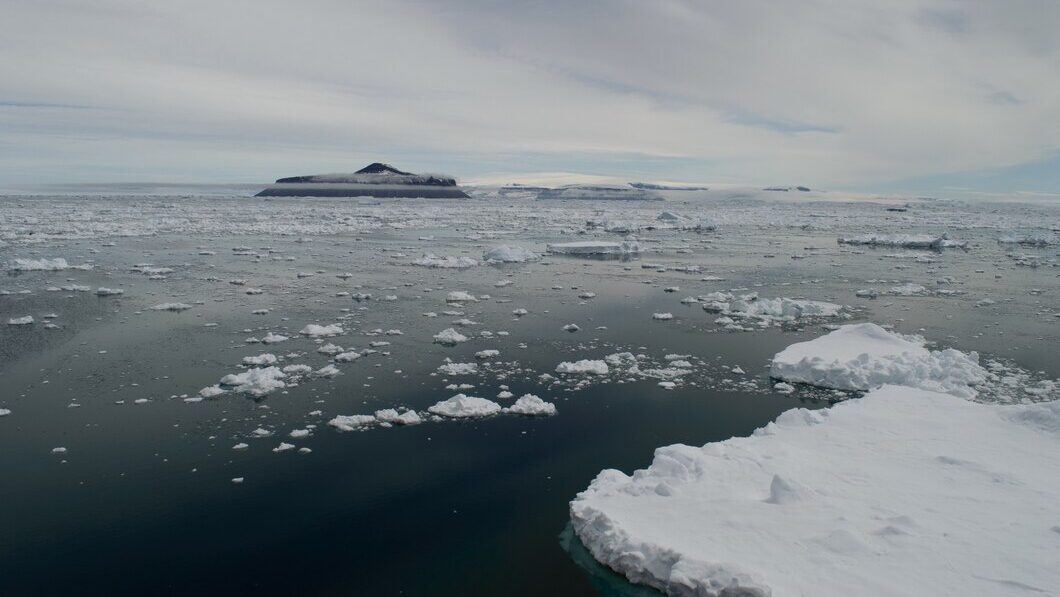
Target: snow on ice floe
[
  {"x": 322, "y": 331},
  {"x": 449, "y": 337},
  {"x": 256, "y": 382},
  {"x": 26, "y": 320},
  {"x": 864, "y": 356},
  {"x": 584, "y": 366},
  {"x": 171, "y": 307},
  {"x": 462, "y": 406},
  {"x": 43, "y": 265},
  {"x": 460, "y": 296},
  {"x": 458, "y": 369},
  {"x": 748, "y": 309},
  {"x": 890, "y": 494},
  {"x": 909, "y": 241},
  {"x": 508, "y": 254},
  {"x": 1028, "y": 239},
  {"x": 531, "y": 405},
  {"x": 448, "y": 262},
  {"x": 626, "y": 247}
]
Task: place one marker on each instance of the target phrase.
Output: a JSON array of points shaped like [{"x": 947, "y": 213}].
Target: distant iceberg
[
  {"x": 600, "y": 192},
  {"x": 374, "y": 180}
]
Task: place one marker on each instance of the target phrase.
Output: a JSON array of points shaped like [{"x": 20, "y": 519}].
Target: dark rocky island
[{"x": 374, "y": 180}]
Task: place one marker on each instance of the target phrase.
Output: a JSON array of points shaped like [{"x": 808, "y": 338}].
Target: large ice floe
[
  {"x": 740, "y": 311},
  {"x": 909, "y": 241},
  {"x": 507, "y": 254},
  {"x": 43, "y": 265},
  {"x": 864, "y": 356},
  {"x": 904, "y": 491},
  {"x": 624, "y": 248}
]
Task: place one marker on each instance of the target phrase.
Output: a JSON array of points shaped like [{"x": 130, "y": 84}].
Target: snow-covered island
[
  {"x": 375, "y": 180},
  {"x": 600, "y": 192}
]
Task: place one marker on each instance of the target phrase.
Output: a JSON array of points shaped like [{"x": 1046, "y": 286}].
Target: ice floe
[
  {"x": 889, "y": 494},
  {"x": 627, "y": 247},
  {"x": 462, "y": 406},
  {"x": 864, "y": 356}
]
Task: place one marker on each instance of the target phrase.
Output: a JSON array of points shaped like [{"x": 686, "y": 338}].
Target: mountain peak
[{"x": 380, "y": 168}]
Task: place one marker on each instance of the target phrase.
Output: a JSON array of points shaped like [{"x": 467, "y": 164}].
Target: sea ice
[
  {"x": 627, "y": 247},
  {"x": 507, "y": 254},
  {"x": 449, "y": 337},
  {"x": 531, "y": 405},
  {"x": 864, "y": 356},
  {"x": 461, "y": 406},
  {"x": 449, "y": 262},
  {"x": 583, "y": 366},
  {"x": 172, "y": 307},
  {"x": 256, "y": 382},
  {"x": 902, "y": 491},
  {"x": 322, "y": 331}
]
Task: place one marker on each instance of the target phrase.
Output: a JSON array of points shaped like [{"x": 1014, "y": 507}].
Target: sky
[{"x": 918, "y": 96}]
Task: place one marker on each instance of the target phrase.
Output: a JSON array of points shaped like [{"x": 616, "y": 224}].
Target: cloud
[{"x": 827, "y": 92}]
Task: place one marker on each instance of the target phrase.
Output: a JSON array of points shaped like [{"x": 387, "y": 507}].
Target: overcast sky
[{"x": 855, "y": 94}]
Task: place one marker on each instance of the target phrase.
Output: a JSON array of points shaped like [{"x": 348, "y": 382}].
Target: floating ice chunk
[
  {"x": 283, "y": 447},
  {"x": 487, "y": 354},
  {"x": 297, "y": 370},
  {"x": 459, "y": 296},
  {"x": 172, "y": 307},
  {"x": 352, "y": 422},
  {"x": 256, "y": 382},
  {"x": 461, "y": 406},
  {"x": 519, "y": 312},
  {"x": 101, "y": 291},
  {"x": 393, "y": 417},
  {"x": 5, "y": 412},
  {"x": 910, "y": 241},
  {"x": 507, "y": 254},
  {"x": 260, "y": 360},
  {"x": 583, "y": 366},
  {"x": 272, "y": 338},
  {"x": 662, "y": 316},
  {"x": 297, "y": 433},
  {"x": 529, "y": 404},
  {"x": 346, "y": 357},
  {"x": 628, "y": 247},
  {"x": 241, "y": 446},
  {"x": 865, "y": 356},
  {"x": 327, "y": 371},
  {"x": 330, "y": 349},
  {"x": 571, "y": 327},
  {"x": 50, "y": 265},
  {"x": 449, "y": 337},
  {"x": 834, "y": 502},
  {"x": 27, "y": 320},
  {"x": 1029, "y": 239},
  {"x": 211, "y": 391},
  {"x": 458, "y": 369},
  {"x": 908, "y": 290},
  {"x": 449, "y": 262},
  {"x": 322, "y": 331}
]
